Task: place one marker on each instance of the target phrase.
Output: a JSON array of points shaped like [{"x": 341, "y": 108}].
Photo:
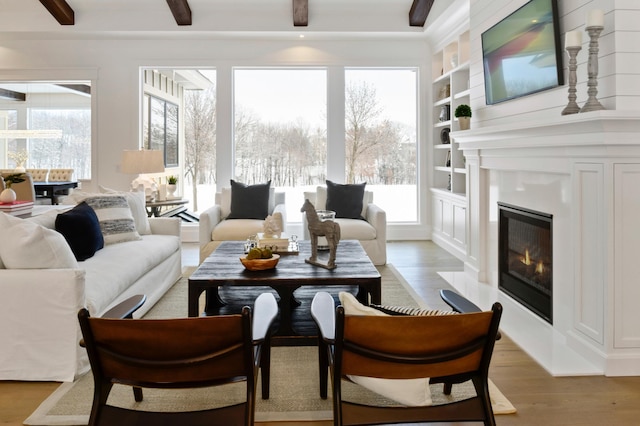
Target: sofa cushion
[
  {"x": 249, "y": 201},
  {"x": 28, "y": 245},
  {"x": 319, "y": 199},
  {"x": 406, "y": 310},
  {"x": 360, "y": 230},
  {"x": 225, "y": 201},
  {"x": 236, "y": 229},
  {"x": 117, "y": 266},
  {"x": 410, "y": 392},
  {"x": 48, "y": 218},
  {"x": 345, "y": 200},
  {"x": 135, "y": 199},
  {"x": 81, "y": 229},
  {"x": 137, "y": 204},
  {"x": 116, "y": 221}
]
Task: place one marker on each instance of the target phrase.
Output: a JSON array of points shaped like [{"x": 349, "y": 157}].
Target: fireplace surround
[{"x": 584, "y": 170}]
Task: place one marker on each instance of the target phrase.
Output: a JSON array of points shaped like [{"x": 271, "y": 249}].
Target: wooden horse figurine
[{"x": 317, "y": 228}]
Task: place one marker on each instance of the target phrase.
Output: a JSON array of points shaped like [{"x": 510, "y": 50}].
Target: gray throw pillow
[
  {"x": 345, "y": 200},
  {"x": 249, "y": 201}
]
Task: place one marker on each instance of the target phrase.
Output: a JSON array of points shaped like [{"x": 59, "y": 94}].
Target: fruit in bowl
[{"x": 260, "y": 259}]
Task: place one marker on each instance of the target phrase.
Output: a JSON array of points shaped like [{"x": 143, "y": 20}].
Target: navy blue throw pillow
[
  {"x": 81, "y": 229},
  {"x": 345, "y": 200},
  {"x": 249, "y": 201}
]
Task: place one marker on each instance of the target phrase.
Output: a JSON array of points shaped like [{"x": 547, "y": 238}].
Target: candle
[
  {"x": 595, "y": 18},
  {"x": 573, "y": 39}
]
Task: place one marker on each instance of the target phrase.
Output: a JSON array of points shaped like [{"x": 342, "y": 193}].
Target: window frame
[{"x": 170, "y": 150}]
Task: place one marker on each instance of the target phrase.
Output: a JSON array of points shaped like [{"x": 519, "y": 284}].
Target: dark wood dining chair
[
  {"x": 447, "y": 349},
  {"x": 177, "y": 354}
]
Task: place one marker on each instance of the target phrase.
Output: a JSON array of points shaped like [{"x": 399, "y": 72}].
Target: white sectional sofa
[{"x": 39, "y": 328}]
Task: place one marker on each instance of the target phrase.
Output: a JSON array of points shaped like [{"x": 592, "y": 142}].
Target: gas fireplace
[{"x": 525, "y": 258}]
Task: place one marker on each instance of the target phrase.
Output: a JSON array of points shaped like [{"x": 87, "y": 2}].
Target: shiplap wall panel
[{"x": 618, "y": 60}]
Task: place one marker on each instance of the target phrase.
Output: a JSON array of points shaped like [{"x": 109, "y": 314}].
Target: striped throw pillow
[
  {"x": 115, "y": 218},
  {"x": 403, "y": 310}
]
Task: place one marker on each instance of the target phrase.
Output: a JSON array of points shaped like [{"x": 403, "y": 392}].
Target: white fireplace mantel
[
  {"x": 584, "y": 169},
  {"x": 597, "y": 129}
]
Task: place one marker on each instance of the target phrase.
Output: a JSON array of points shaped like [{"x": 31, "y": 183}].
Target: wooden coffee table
[{"x": 223, "y": 269}]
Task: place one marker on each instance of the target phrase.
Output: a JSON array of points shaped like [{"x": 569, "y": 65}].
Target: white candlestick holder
[
  {"x": 592, "y": 103},
  {"x": 572, "y": 107}
]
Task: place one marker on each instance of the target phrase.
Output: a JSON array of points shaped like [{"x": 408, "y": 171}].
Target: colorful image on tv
[{"x": 521, "y": 53}]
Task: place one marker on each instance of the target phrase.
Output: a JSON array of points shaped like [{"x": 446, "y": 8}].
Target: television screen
[{"x": 521, "y": 54}]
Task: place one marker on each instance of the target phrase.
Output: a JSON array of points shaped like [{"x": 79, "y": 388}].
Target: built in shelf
[{"x": 462, "y": 94}]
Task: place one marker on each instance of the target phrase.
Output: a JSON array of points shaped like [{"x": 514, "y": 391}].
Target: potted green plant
[
  {"x": 172, "y": 182},
  {"x": 463, "y": 114},
  {"x": 8, "y": 195}
]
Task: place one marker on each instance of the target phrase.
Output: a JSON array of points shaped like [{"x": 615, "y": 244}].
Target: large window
[
  {"x": 281, "y": 127},
  {"x": 280, "y": 130},
  {"x": 51, "y": 128},
  {"x": 72, "y": 149},
  {"x": 381, "y": 135}
]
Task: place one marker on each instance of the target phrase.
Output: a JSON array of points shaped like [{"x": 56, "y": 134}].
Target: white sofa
[
  {"x": 372, "y": 232},
  {"x": 216, "y": 228},
  {"x": 39, "y": 327}
]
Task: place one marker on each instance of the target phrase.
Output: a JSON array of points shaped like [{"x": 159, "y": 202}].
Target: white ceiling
[{"x": 219, "y": 17}]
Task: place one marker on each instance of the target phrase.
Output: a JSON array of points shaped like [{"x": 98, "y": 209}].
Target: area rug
[{"x": 294, "y": 377}]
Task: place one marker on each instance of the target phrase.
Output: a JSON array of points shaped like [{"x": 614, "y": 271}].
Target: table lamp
[{"x": 141, "y": 162}]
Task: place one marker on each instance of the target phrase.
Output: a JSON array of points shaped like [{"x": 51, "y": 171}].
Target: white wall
[{"x": 619, "y": 60}]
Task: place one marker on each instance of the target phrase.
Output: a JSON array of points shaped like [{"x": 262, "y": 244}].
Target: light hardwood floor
[{"x": 539, "y": 398}]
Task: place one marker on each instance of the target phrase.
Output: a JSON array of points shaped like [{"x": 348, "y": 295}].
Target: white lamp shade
[{"x": 142, "y": 161}]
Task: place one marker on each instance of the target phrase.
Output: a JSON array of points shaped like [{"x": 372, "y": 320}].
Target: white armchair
[
  {"x": 372, "y": 232},
  {"x": 216, "y": 228}
]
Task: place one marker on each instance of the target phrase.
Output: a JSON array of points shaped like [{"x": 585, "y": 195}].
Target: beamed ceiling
[{"x": 300, "y": 13}]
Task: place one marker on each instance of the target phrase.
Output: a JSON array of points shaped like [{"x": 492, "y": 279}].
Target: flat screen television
[{"x": 522, "y": 54}]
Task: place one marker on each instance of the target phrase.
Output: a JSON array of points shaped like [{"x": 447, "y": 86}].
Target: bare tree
[
  {"x": 361, "y": 112},
  {"x": 200, "y": 137}
]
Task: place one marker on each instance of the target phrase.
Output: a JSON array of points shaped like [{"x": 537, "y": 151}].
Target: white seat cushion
[
  {"x": 111, "y": 271},
  {"x": 356, "y": 229}
]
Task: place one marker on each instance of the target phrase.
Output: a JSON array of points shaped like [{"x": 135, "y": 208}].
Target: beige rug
[{"x": 294, "y": 377}]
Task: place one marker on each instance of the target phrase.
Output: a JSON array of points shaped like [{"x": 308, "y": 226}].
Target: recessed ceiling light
[{"x": 301, "y": 36}]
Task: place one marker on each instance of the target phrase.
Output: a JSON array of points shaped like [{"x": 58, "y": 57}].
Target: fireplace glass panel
[{"x": 525, "y": 258}]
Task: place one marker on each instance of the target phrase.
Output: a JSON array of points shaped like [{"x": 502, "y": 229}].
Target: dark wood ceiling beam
[
  {"x": 300, "y": 13},
  {"x": 181, "y": 11},
  {"x": 82, "y": 88},
  {"x": 12, "y": 96},
  {"x": 419, "y": 11},
  {"x": 60, "y": 10}
]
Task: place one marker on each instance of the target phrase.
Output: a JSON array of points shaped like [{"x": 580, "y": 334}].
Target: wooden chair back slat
[
  {"x": 186, "y": 350},
  {"x": 423, "y": 348}
]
